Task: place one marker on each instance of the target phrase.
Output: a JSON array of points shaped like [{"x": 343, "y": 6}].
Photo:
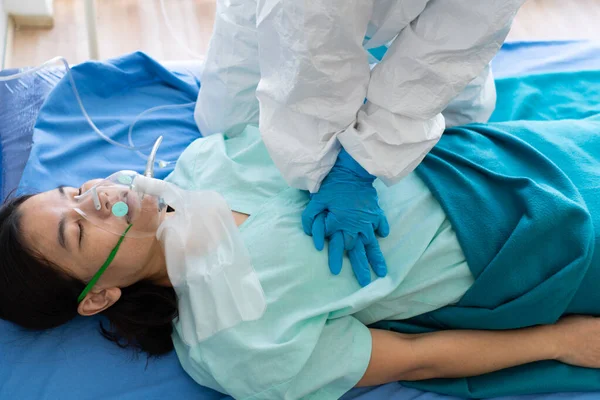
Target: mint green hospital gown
[{"x": 312, "y": 341}]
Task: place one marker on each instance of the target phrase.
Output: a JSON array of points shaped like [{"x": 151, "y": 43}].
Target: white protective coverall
[{"x": 300, "y": 69}]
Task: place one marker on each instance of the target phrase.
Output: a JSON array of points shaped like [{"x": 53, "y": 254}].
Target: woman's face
[{"x": 53, "y": 228}]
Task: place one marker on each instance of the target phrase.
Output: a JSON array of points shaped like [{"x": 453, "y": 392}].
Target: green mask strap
[{"x": 98, "y": 274}]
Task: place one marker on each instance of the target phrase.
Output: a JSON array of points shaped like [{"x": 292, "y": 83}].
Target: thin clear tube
[
  {"x": 78, "y": 98},
  {"x": 131, "y": 146},
  {"x": 161, "y": 163}
]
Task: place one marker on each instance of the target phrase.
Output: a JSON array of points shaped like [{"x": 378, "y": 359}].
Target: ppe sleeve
[
  {"x": 429, "y": 64},
  {"x": 475, "y": 103},
  {"x": 314, "y": 78},
  {"x": 322, "y": 359},
  {"x": 227, "y": 100}
]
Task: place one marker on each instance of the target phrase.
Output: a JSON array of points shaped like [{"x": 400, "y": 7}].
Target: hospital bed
[{"x": 44, "y": 142}]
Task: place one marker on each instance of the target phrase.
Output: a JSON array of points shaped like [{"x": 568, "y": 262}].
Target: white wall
[
  {"x": 28, "y": 7},
  {"x": 3, "y": 27}
]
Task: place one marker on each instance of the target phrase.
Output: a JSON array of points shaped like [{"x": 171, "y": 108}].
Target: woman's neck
[{"x": 157, "y": 268}]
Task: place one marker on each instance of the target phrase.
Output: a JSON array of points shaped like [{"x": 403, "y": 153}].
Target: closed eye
[
  {"x": 80, "y": 232},
  {"x": 79, "y": 191}
]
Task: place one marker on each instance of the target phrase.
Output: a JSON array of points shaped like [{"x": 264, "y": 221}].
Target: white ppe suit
[{"x": 300, "y": 69}]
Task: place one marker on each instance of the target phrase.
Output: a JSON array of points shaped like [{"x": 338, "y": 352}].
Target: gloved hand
[{"x": 346, "y": 211}]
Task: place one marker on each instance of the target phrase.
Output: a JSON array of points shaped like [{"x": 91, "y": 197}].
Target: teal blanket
[
  {"x": 524, "y": 198},
  {"x": 548, "y": 97}
]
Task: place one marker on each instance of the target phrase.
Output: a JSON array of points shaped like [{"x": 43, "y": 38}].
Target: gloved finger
[
  {"x": 309, "y": 214},
  {"x": 332, "y": 225},
  {"x": 350, "y": 240},
  {"x": 383, "y": 227},
  {"x": 318, "y": 231},
  {"x": 360, "y": 264},
  {"x": 375, "y": 257},
  {"x": 336, "y": 252}
]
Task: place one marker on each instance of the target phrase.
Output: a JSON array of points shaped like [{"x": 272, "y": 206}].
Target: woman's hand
[{"x": 578, "y": 341}]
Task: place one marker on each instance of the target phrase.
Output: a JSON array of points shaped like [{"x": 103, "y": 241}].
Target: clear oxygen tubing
[
  {"x": 131, "y": 146},
  {"x": 161, "y": 163},
  {"x": 180, "y": 42},
  {"x": 78, "y": 98}
]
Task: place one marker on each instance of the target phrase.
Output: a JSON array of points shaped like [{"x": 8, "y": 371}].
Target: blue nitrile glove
[{"x": 346, "y": 211}]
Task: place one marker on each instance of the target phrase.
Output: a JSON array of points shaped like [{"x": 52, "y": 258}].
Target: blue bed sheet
[{"x": 74, "y": 361}]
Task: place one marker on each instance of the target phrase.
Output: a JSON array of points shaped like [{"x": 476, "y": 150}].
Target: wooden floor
[
  {"x": 129, "y": 25},
  {"x": 123, "y": 26}
]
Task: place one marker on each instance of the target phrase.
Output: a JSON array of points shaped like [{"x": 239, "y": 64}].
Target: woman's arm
[{"x": 455, "y": 354}]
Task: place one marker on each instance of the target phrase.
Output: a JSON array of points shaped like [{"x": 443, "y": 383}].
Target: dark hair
[{"x": 37, "y": 295}]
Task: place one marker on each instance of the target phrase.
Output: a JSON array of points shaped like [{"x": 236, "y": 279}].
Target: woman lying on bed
[{"x": 313, "y": 338}]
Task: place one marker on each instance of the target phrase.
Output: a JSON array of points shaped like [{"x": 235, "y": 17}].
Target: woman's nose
[{"x": 106, "y": 201}]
